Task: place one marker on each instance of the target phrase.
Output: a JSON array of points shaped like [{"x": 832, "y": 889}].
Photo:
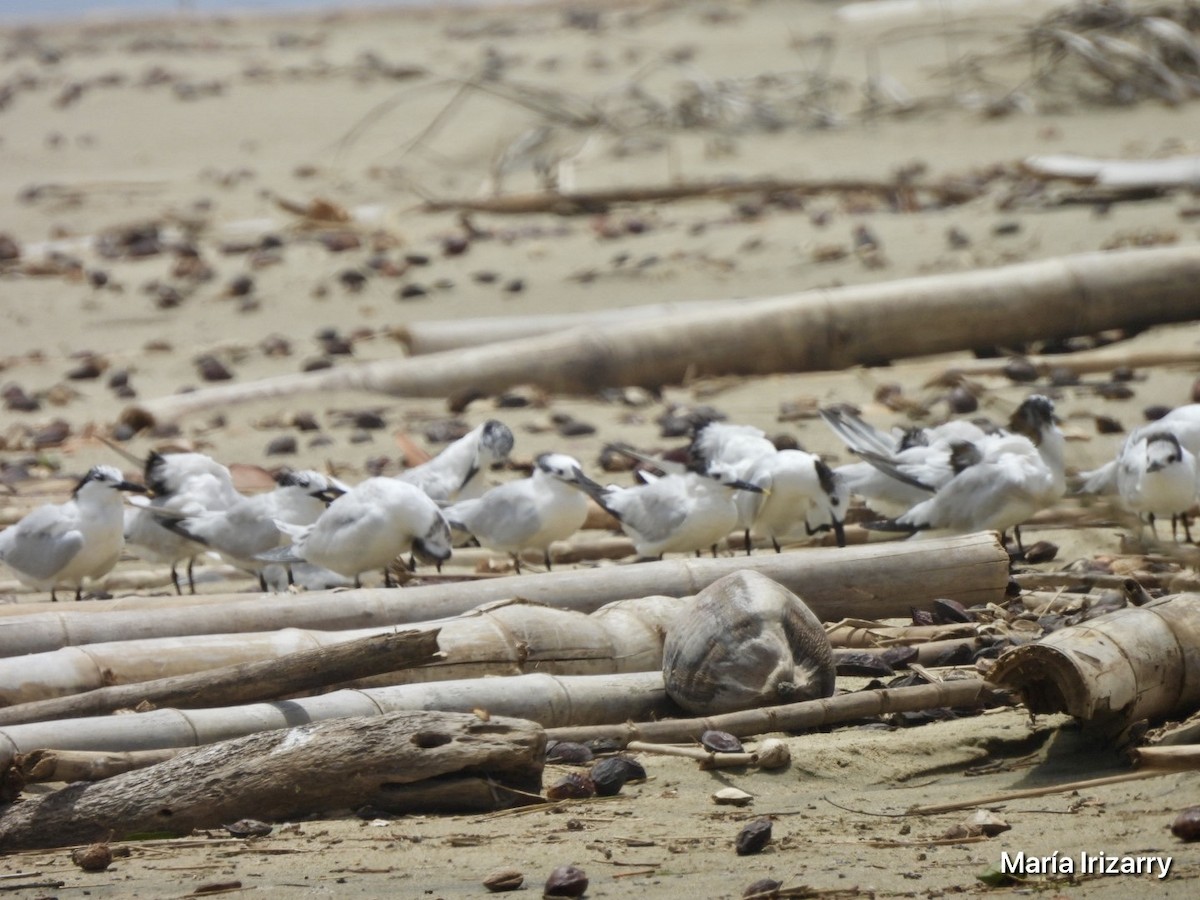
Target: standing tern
[
  {"x": 367, "y": 528},
  {"x": 678, "y": 513},
  {"x": 457, "y": 472},
  {"x": 251, "y": 525},
  {"x": 528, "y": 514},
  {"x": 1157, "y": 476},
  {"x": 64, "y": 543},
  {"x": 800, "y": 496},
  {"x": 1183, "y": 422},
  {"x": 181, "y": 484}
]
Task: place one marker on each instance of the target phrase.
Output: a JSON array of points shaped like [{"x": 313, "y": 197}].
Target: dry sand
[{"x": 202, "y": 125}]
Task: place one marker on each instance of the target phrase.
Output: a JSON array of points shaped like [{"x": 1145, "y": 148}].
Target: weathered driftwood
[
  {"x": 503, "y": 638},
  {"x": 863, "y": 633},
  {"x": 789, "y": 717},
  {"x": 84, "y": 765},
  {"x": 547, "y": 699},
  {"x": 1113, "y": 670},
  {"x": 876, "y": 580},
  {"x": 1175, "y": 171},
  {"x": 1083, "y": 362},
  {"x": 215, "y": 685},
  {"x": 745, "y": 642},
  {"x": 824, "y": 329},
  {"x": 434, "y": 336},
  {"x": 321, "y": 768}
]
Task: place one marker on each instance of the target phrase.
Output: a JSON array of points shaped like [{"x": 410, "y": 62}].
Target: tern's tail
[
  {"x": 596, "y": 491},
  {"x": 857, "y": 434},
  {"x": 288, "y": 554},
  {"x": 1099, "y": 481}
]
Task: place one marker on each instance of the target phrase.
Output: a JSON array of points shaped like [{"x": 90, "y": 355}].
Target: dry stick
[
  {"x": 86, "y": 765},
  {"x": 1083, "y": 362},
  {"x": 382, "y": 761},
  {"x": 825, "y": 329},
  {"x": 707, "y": 758},
  {"x": 788, "y": 717},
  {"x": 245, "y": 682},
  {"x": 1034, "y": 792},
  {"x": 598, "y": 200}
]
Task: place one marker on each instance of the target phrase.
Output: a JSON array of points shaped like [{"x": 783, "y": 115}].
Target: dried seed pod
[
  {"x": 1019, "y": 369},
  {"x": 732, "y": 797},
  {"x": 773, "y": 754},
  {"x": 1040, "y": 552},
  {"x": 572, "y": 787},
  {"x": 566, "y": 881},
  {"x": 248, "y": 828},
  {"x": 720, "y": 742},
  {"x": 753, "y": 837},
  {"x": 747, "y": 641},
  {"x": 763, "y": 889},
  {"x": 1186, "y": 826},
  {"x": 505, "y": 879},
  {"x": 865, "y": 664},
  {"x": 569, "y": 752},
  {"x": 609, "y": 775},
  {"x": 950, "y": 612},
  {"x": 92, "y": 858}
]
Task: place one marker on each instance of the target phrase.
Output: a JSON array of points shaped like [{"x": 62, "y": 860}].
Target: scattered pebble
[
  {"x": 1020, "y": 370},
  {"x": 412, "y": 291},
  {"x": 572, "y": 786},
  {"x": 91, "y": 367},
  {"x": 17, "y": 400},
  {"x": 609, "y": 775},
  {"x": 92, "y": 858},
  {"x": 961, "y": 401},
  {"x": 51, "y": 435},
  {"x": 720, "y": 742},
  {"x": 764, "y": 887},
  {"x": 1186, "y": 826},
  {"x": 249, "y": 828},
  {"x": 1156, "y": 412},
  {"x": 240, "y": 286},
  {"x": 566, "y": 881},
  {"x": 305, "y": 421},
  {"x": 314, "y": 365},
  {"x": 506, "y": 879},
  {"x": 1115, "y": 390},
  {"x": 1108, "y": 425},
  {"x": 753, "y": 837},
  {"x": 284, "y": 445},
  {"x": 212, "y": 369}
]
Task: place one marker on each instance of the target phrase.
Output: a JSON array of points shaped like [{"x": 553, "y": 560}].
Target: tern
[
  {"x": 181, "y": 484},
  {"x": 250, "y": 526},
  {"x": 528, "y": 514},
  {"x": 1156, "y": 476},
  {"x": 800, "y": 496},
  {"x": 678, "y": 513},
  {"x": 456, "y": 472},
  {"x": 367, "y": 528},
  {"x": 1183, "y": 422},
  {"x": 64, "y": 543}
]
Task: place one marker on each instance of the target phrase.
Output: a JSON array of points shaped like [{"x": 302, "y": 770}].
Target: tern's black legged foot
[
  {"x": 746, "y": 538},
  {"x": 191, "y": 580},
  {"x": 546, "y": 559},
  {"x": 175, "y": 581},
  {"x": 775, "y": 544}
]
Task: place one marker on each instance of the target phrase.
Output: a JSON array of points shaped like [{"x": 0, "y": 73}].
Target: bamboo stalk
[
  {"x": 82, "y": 765},
  {"x": 872, "y": 580},
  {"x": 816, "y": 330},
  {"x": 242, "y": 682},
  {"x": 707, "y": 758},
  {"x": 788, "y": 717}
]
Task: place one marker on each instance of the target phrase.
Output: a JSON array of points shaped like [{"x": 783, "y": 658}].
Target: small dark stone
[
  {"x": 97, "y": 278},
  {"x": 1040, "y": 552},
  {"x": 313, "y": 365},
  {"x": 899, "y": 657},
  {"x": 240, "y": 286},
  {"x": 1062, "y": 376},
  {"x": 956, "y": 238},
  {"x": 10, "y": 250},
  {"x": 212, "y": 369},
  {"x": 17, "y": 400},
  {"x": 1020, "y": 370},
  {"x": 275, "y": 345},
  {"x": 861, "y": 664},
  {"x": 118, "y": 378},
  {"x": 369, "y": 420},
  {"x": 52, "y": 435},
  {"x": 950, "y": 612},
  {"x": 566, "y": 881},
  {"x": 455, "y": 245},
  {"x": 574, "y": 428},
  {"x": 1186, "y": 826},
  {"x": 921, "y": 617},
  {"x": 485, "y": 277},
  {"x": 416, "y": 259},
  {"x": 444, "y": 431},
  {"x": 249, "y": 828},
  {"x": 412, "y": 291},
  {"x": 720, "y": 742},
  {"x": 605, "y": 745},
  {"x": 1196, "y": 391},
  {"x": 1108, "y": 425},
  {"x": 763, "y": 889},
  {"x": 609, "y": 775},
  {"x": 515, "y": 286},
  {"x": 336, "y": 345},
  {"x": 91, "y": 367},
  {"x": 167, "y": 297},
  {"x": 340, "y": 241},
  {"x": 1006, "y": 228},
  {"x": 361, "y": 437},
  {"x": 1122, "y": 373},
  {"x": 961, "y": 401},
  {"x": 352, "y": 280},
  {"x": 569, "y": 752},
  {"x": 1154, "y": 413},
  {"x": 1115, "y": 390},
  {"x": 284, "y": 445},
  {"x": 125, "y": 392},
  {"x": 305, "y": 421},
  {"x": 958, "y": 655},
  {"x": 270, "y": 242},
  {"x": 753, "y": 837},
  {"x": 93, "y": 858}
]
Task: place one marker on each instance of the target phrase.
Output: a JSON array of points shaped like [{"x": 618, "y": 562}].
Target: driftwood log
[
  {"x": 1114, "y": 670},
  {"x": 1175, "y": 171},
  {"x": 548, "y": 699},
  {"x": 872, "y": 581},
  {"x": 85, "y": 765},
  {"x": 825, "y": 329},
  {"x": 277, "y": 775},
  {"x": 216, "y": 685}
]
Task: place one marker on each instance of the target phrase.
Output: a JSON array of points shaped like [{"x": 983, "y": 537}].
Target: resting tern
[
  {"x": 1157, "y": 476},
  {"x": 1183, "y": 422},
  {"x": 528, "y": 514},
  {"x": 367, "y": 528},
  {"x": 182, "y": 484},
  {"x": 250, "y": 526},
  {"x": 456, "y": 472},
  {"x": 800, "y": 495},
  {"x": 678, "y": 513},
  {"x": 64, "y": 543},
  {"x": 997, "y": 483}
]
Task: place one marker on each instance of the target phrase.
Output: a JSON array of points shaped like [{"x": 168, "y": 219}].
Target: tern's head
[
  {"x": 495, "y": 442},
  {"x": 1162, "y": 450},
  {"x": 100, "y": 478},
  {"x": 435, "y": 544},
  {"x": 311, "y": 482},
  {"x": 723, "y": 475},
  {"x": 560, "y": 466},
  {"x": 1034, "y": 417},
  {"x": 912, "y": 437}
]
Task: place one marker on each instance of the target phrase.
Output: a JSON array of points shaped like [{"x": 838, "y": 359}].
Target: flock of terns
[{"x": 955, "y": 477}]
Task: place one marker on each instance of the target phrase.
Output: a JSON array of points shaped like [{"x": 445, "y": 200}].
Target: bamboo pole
[
  {"x": 503, "y": 638},
  {"x": 547, "y": 699},
  {"x": 286, "y": 774},
  {"x": 1116, "y": 669},
  {"x": 82, "y": 765},
  {"x": 788, "y": 717},
  {"x": 239, "y": 683},
  {"x": 826, "y": 329},
  {"x": 874, "y": 580}
]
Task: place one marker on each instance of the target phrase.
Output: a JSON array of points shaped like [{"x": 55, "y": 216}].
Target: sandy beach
[{"x": 196, "y": 201}]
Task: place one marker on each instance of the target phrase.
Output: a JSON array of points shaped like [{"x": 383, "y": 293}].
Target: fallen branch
[
  {"x": 1177, "y": 171},
  {"x": 286, "y": 774},
  {"x": 826, "y": 329},
  {"x": 789, "y": 717},
  {"x": 994, "y": 799},
  {"x": 85, "y": 765}
]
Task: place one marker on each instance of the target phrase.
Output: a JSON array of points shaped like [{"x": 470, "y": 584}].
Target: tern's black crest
[
  {"x": 155, "y": 474},
  {"x": 1174, "y": 451},
  {"x": 497, "y": 437},
  {"x": 963, "y": 455},
  {"x": 288, "y": 478},
  {"x": 1033, "y": 416}
]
